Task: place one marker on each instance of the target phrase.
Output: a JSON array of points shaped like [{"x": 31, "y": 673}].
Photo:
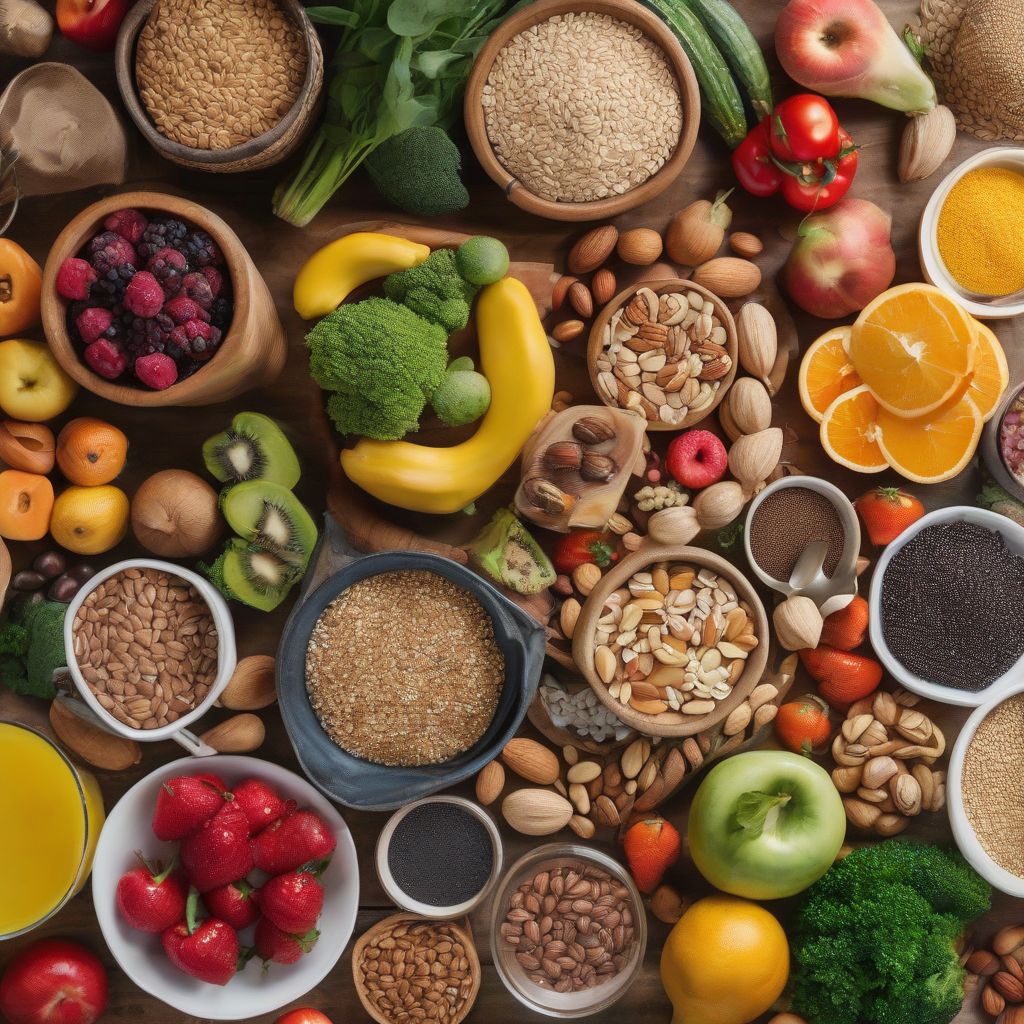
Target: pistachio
[
  {"x": 592, "y": 430},
  {"x": 597, "y": 468},
  {"x": 543, "y": 494},
  {"x": 758, "y": 342},
  {"x": 563, "y": 456}
]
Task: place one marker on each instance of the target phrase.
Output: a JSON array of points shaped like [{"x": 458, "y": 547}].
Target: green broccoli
[
  {"x": 214, "y": 572},
  {"x": 874, "y": 938},
  {"x": 35, "y": 649},
  {"x": 383, "y": 361},
  {"x": 435, "y": 290},
  {"x": 418, "y": 171},
  {"x": 13, "y": 639}
]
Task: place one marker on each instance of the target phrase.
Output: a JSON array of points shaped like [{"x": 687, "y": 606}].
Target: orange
[
  {"x": 991, "y": 375},
  {"x": 913, "y": 347},
  {"x": 90, "y": 520},
  {"x": 91, "y": 451},
  {"x": 826, "y": 372},
  {"x": 26, "y": 500},
  {"x": 849, "y": 431},
  {"x": 933, "y": 448}
]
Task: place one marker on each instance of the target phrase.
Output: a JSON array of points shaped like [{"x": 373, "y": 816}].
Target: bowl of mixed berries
[
  {"x": 225, "y": 886},
  {"x": 153, "y": 300}
]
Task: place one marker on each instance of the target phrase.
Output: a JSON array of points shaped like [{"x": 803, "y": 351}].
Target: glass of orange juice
[{"x": 52, "y": 813}]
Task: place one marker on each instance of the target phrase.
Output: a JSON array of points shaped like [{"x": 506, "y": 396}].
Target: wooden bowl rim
[
  {"x": 542, "y": 10},
  {"x": 71, "y": 239},
  {"x": 595, "y": 343},
  {"x": 670, "y": 723},
  {"x": 461, "y": 926},
  {"x": 124, "y": 64}
]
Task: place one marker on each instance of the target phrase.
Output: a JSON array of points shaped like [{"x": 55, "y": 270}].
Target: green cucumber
[
  {"x": 737, "y": 44},
  {"x": 720, "y": 97}
]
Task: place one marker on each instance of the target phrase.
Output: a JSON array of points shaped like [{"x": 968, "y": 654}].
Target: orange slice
[
  {"x": 849, "y": 432},
  {"x": 990, "y": 375},
  {"x": 826, "y": 372},
  {"x": 933, "y": 448},
  {"x": 913, "y": 346}
]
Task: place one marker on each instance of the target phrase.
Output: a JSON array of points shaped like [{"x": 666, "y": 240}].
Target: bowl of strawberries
[{"x": 225, "y": 886}]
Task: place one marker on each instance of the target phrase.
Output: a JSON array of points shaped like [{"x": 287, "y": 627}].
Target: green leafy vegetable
[
  {"x": 418, "y": 171},
  {"x": 32, "y": 649}
]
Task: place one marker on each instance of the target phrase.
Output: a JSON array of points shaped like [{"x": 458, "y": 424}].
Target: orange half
[
  {"x": 826, "y": 372},
  {"x": 849, "y": 432}
]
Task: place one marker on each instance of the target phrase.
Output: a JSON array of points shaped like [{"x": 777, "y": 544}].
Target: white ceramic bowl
[
  {"x": 931, "y": 262},
  {"x": 253, "y": 992},
  {"x": 1014, "y": 536},
  {"x": 963, "y": 832}
]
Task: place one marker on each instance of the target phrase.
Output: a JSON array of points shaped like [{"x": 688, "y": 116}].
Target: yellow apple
[{"x": 32, "y": 385}]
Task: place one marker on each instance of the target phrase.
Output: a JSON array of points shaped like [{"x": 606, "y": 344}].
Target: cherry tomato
[
  {"x": 804, "y": 128},
  {"x": 802, "y": 725},
  {"x": 826, "y": 182},
  {"x": 752, "y": 162}
]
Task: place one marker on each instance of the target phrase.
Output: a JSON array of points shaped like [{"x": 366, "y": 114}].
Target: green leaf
[
  {"x": 332, "y": 16},
  {"x": 914, "y": 45},
  {"x": 753, "y": 808},
  {"x": 433, "y": 62},
  {"x": 418, "y": 17}
]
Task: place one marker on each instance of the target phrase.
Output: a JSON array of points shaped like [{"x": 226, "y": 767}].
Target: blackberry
[
  {"x": 144, "y": 335},
  {"x": 169, "y": 267},
  {"x": 161, "y": 234},
  {"x": 108, "y": 251},
  {"x": 109, "y": 289},
  {"x": 200, "y": 249},
  {"x": 220, "y": 313}
]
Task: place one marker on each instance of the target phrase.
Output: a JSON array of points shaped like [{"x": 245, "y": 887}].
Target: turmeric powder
[{"x": 980, "y": 228}]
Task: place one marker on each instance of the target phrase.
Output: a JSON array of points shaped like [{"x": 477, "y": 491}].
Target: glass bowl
[{"x": 543, "y": 999}]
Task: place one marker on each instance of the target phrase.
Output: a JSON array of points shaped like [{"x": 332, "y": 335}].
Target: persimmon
[
  {"x": 91, "y": 451},
  {"x": 26, "y": 501},
  {"x": 21, "y": 283}
]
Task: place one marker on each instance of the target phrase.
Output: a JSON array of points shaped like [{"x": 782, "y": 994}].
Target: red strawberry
[
  {"x": 184, "y": 803},
  {"x": 274, "y": 945},
  {"x": 234, "y": 903},
  {"x": 291, "y": 842},
  {"x": 150, "y": 899},
  {"x": 220, "y": 851},
  {"x": 842, "y": 677},
  {"x": 207, "y": 950},
  {"x": 651, "y": 847},
  {"x": 292, "y": 902},
  {"x": 581, "y": 547},
  {"x": 886, "y": 512},
  {"x": 261, "y": 804}
]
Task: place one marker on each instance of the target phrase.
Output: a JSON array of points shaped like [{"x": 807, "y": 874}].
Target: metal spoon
[{"x": 808, "y": 574}]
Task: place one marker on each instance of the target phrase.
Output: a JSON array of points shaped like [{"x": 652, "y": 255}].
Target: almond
[
  {"x": 581, "y": 300},
  {"x": 567, "y": 330},
  {"x": 252, "y": 685},
  {"x": 639, "y": 246},
  {"x": 729, "y": 277},
  {"x": 745, "y": 244},
  {"x": 1007, "y": 940},
  {"x": 536, "y": 812},
  {"x": 982, "y": 962},
  {"x": 583, "y": 827},
  {"x": 490, "y": 782},
  {"x": 585, "y": 577},
  {"x": 561, "y": 290},
  {"x": 1012, "y": 1015},
  {"x": 667, "y": 905},
  {"x": 1012, "y": 966},
  {"x": 992, "y": 1002},
  {"x": 593, "y": 249},
  {"x": 602, "y": 286},
  {"x": 92, "y": 744},
  {"x": 532, "y": 761},
  {"x": 583, "y": 772},
  {"x": 1009, "y": 987},
  {"x": 239, "y": 734}
]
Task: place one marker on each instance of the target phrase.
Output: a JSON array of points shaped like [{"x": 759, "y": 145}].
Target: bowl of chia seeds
[{"x": 945, "y": 606}]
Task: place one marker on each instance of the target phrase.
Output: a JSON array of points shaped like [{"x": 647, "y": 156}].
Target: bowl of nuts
[
  {"x": 672, "y": 639},
  {"x": 667, "y": 349}
]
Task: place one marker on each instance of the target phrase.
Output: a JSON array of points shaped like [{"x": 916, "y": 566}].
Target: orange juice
[{"x": 50, "y": 817}]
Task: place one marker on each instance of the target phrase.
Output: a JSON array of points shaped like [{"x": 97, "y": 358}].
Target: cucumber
[
  {"x": 737, "y": 44},
  {"x": 720, "y": 98}
]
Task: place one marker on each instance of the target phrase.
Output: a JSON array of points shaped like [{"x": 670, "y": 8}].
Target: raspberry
[
  {"x": 182, "y": 308},
  {"x": 74, "y": 278},
  {"x": 196, "y": 287},
  {"x": 93, "y": 324},
  {"x": 144, "y": 296},
  {"x": 109, "y": 250},
  {"x": 145, "y": 335},
  {"x": 110, "y": 288},
  {"x": 220, "y": 313},
  {"x": 156, "y": 371},
  {"x": 128, "y": 224},
  {"x": 106, "y": 358},
  {"x": 201, "y": 249},
  {"x": 161, "y": 234},
  {"x": 196, "y": 339},
  {"x": 169, "y": 267},
  {"x": 215, "y": 279}
]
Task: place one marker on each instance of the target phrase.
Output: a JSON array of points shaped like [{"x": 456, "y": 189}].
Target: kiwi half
[
  {"x": 272, "y": 518},
  {"x": 252, "y": 448},
  {"x": 256, "y": 576}
]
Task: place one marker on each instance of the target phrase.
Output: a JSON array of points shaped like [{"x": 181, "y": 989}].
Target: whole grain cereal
[{"x": 403, "y": 669}]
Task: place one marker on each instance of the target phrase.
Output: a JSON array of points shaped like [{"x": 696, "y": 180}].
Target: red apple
[
  {"x": 303, "y": 1015},
  {"x": 53, "y": 981},
  {"x": 696, "y": 459},
  {"x": 92, "y": 23}
]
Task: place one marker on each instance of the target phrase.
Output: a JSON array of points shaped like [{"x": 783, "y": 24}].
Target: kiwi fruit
[
  {"x": 256, "y": 576},
  {"x": 506, "y": 552},
  {"x": 252, "y": 448},
  {"x": 271, "y": 517}
]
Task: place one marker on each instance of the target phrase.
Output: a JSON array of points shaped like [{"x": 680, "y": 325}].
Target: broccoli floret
[
  {"x": 214, "y": 572},
  {"x": 382, "y": 360},
  {"x": 418, "y": 171},
  {"x": 36, "y": 649},
  {"x": 13, "y": 639},
  {"x": 435, "y": 290}
]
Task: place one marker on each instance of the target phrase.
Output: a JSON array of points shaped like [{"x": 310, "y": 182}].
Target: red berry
[
  {"x": 275, "y": 946},
  {"x": 74, "y": 278},
  {"x": 234, "y": 903},
  {"x": 149, "y": 900},
  {"x": 184, "y": 803},
  {"x": 127, "y": 223},
  {"x": 156, "y": 371},
  {"x": 292, "y": 901},
  {"x": 92, "y": 323},
  {"x": 261, "y": 805},
  {"x": 196, "y": 287},
  {"x": 218, "y": 853},
  {"x": 106, "y": 358},
  {"x": 697, "y": 459},
  {"x": 181, "y": 309},
  {"x": 214, "y": 278},
  {"x": 292, "y": 841},
  {"x": 144, "y": 296},
  {"x": 196, "y": 339}
]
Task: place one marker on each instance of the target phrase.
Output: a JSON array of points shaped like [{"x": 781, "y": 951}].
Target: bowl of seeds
[{"x": 567, "y": 132}]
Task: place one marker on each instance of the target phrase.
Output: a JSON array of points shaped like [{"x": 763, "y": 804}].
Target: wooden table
[{"x": 171, "y": 439}]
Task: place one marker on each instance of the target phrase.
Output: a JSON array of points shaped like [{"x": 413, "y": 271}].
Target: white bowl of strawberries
[{"x": 245, "y": 894}]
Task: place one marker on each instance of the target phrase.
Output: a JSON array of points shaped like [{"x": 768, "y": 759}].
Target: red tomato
[
  {"x": 802, "y": 725},
  {"x": 752, "y": 162},
  {"x": 53, "y": 981},
  {"x": 828, "y": 181},
  {"x": 805, "y": 128},
  {"x": 303, "y": 1015}
]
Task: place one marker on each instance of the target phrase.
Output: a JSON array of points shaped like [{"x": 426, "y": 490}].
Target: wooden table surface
[{"x": 171, "y": 438}]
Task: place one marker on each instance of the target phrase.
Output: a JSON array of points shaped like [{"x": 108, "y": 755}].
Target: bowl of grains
[
  {"x": 667, "y": 349},
  {"x": 150, "y": 647},
  {"x": 945, "y": 606},
  {"x": 184, "y": 70},
  {"x": 402, "y": 674},
  {"x": 672, "y": 639},
  {"x": 569, "y": 133},
  {"x": 568, "y": 930}
]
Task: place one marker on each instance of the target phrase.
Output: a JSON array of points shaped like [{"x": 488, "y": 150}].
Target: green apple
[
  {"x": 32, "y": 385},
  {"x": 765, "y": 824}
]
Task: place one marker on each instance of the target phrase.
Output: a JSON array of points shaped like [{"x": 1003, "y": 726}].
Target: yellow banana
[
  {"x": 515, "y": 357},
  {"x": 336, "y": 270}
]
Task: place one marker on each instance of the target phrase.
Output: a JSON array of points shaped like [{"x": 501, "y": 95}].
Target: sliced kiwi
[
  {"x": 256, "y": 576},
  {"x": 506, "y": 551},
  {"x": 252, "y": 448},
  {"x": 271, "y": 517}
]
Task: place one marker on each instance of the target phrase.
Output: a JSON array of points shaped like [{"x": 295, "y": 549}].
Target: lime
[{"x": 482, "y": 260}]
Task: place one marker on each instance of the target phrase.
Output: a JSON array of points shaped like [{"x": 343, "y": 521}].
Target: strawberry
[
  {"x": 886, "y": 512},
  {"x": 846, "y": 628},
  {"x": 842, "y": 677},
  {"x": 261, "y": 804},
  {"x": 652, "y": 847},
  {"x": 803, "y": 726},
  {"x": 581, "y": 547},
  {"x": 207, "y": 950},
  {"x": 184, "y": 803},
  {"x": 293, "y": 901},
  {"x": 150, "y": 899},
  {"x": 275, "y": 946},
  {"x": 220, "y": 851},
  {"x": 294, "y": 840},
  {"x": 234, "y": 903}
]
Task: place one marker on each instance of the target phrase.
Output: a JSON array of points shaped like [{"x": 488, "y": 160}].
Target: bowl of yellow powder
[{"x": 971, "y": 231}]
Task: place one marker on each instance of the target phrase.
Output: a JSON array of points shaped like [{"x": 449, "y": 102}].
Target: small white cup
[{"x": 226, "y": 657}]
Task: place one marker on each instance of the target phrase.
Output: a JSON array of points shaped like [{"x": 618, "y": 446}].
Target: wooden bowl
[
  {"x": 461, "y": 928},
  {"x": 595, "y": 343},
  {"x": 669, "y": 723},
  {"x": 263, "y": 151},
  {"x": 623, "y": 10},
  {"x": 254, "y": 348}
]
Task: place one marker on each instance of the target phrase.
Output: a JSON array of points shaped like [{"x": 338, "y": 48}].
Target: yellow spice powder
[{"x": 981, "y": 228}]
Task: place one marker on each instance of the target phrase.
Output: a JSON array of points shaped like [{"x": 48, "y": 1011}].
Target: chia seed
[{"x": 786, "y": 522}]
